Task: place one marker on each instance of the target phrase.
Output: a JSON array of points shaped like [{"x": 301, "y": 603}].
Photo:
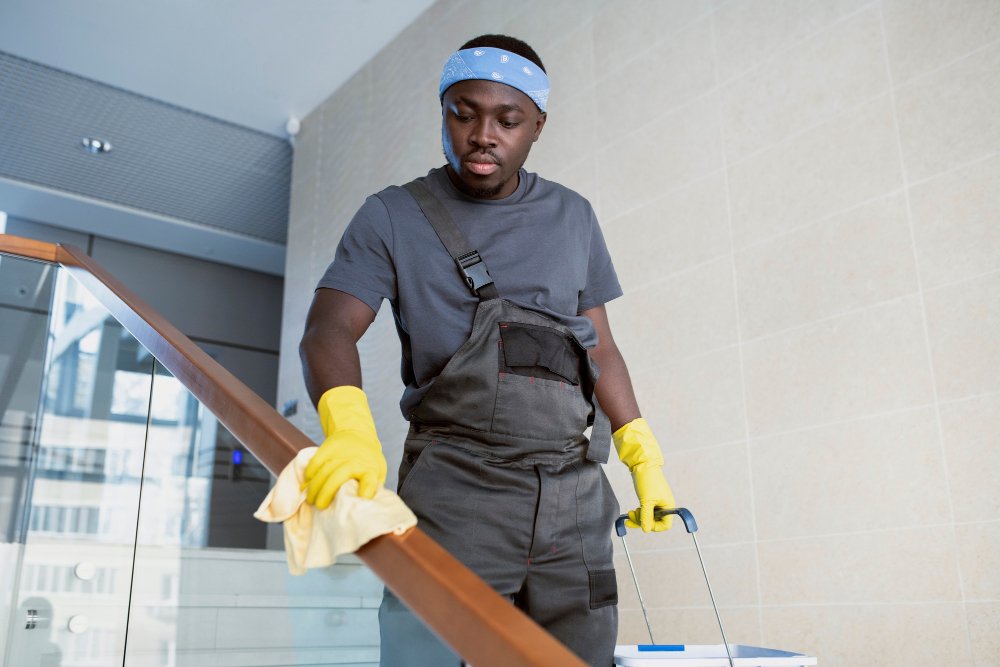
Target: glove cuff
[
  {"x": 636, "y": 445},
  {"x": 345, "y": 408}
]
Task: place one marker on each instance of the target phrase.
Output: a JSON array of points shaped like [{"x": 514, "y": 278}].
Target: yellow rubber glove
[
  {"x": 351, "y": 449},
  {"x": 638, "y": 449}
]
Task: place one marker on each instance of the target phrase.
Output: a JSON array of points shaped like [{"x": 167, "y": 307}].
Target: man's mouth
[{"x": 481, "y": 167}]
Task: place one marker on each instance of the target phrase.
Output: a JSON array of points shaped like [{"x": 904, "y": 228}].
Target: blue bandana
[{"x": 492, "y": 64}]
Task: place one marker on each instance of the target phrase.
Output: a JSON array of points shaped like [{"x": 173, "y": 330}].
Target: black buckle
[{"x": 472, "y": 267}]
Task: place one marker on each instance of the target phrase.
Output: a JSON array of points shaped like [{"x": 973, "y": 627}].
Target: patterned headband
[{"x": 492, "y": 64}]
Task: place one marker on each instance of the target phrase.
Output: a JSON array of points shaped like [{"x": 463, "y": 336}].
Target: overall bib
[{"x": 498, "y": 470}]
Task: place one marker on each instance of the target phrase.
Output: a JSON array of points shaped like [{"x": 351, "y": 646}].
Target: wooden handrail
[{"x": 457, "y": 605}]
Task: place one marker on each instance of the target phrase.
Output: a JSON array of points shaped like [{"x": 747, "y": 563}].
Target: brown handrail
[{"x": 461, "y": 608}]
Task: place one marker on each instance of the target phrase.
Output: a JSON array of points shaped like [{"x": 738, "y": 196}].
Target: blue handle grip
[{"x": 690, "y": 525}]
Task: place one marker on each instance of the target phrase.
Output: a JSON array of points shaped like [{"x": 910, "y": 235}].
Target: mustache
[{"x": 478, "y": 155}]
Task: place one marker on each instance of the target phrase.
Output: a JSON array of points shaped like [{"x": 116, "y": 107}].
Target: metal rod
[
  {"x": 642, "y": 603},
  {"x": 725, "y": 642}
]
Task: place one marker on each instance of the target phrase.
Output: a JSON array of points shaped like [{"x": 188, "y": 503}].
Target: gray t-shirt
[{"x": 542, "y": 245}]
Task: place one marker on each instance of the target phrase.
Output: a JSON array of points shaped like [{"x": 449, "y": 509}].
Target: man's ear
[{"x": 539, "y": 124}]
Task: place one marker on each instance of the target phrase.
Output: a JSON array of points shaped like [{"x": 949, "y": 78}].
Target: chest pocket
[{"x": 536, "y": 351}]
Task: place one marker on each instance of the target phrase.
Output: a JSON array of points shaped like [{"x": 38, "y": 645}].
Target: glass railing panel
[
  {"x": 25, "y": 296},
  {"x": 80, "y": 529},
  {"x": 195, "y": 603}
]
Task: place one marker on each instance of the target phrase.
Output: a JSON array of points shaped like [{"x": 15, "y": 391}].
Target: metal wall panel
[{"x": 165, "y": 159}]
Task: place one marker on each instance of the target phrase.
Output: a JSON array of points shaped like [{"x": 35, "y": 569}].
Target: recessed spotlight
[{"x": 97, "y": 146}]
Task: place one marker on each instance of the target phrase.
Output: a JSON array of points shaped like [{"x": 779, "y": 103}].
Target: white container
[{"x": 706, "y": 655}]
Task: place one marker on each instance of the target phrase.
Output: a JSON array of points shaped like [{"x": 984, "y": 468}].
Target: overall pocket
[{"x": 540, "y": 393}]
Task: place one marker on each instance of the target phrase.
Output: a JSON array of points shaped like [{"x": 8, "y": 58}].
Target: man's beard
[
  {"x": 476, "y": 193},
  {"x": 481, "y": 193}
]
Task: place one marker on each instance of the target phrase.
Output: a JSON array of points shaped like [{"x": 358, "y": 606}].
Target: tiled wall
[{"x": 801, "y": 196}]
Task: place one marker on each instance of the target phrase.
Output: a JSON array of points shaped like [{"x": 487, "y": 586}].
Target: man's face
[{"x": 487, "y": 130}]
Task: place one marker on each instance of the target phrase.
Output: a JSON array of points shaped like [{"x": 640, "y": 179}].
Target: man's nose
[{"x": 483, "y": 134}]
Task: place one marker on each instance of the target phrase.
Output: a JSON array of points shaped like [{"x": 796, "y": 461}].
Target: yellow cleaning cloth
[{"x": 314, "y": 538}]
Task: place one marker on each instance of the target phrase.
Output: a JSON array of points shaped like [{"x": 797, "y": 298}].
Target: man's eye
[
  {"x": 463, "y": 118},
  {"x": 509, "y": 124}
]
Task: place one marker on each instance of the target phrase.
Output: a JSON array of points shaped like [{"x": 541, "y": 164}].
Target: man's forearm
[
  {"x": 614, "y": 387},
  {"x": 329, "y": 359}
]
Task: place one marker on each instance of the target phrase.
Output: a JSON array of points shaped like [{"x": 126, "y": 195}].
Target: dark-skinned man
[{"x": 497, "y": 280}]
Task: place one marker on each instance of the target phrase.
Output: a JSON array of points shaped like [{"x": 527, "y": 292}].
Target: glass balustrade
[{"x": 122, "y": 500}]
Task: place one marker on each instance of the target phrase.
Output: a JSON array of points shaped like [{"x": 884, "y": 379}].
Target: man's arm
[
  {"x": 614, "y": 387},
  {"x": 332, "y": 368},
  {"x": 328, "y": 350},
  {"x": 634, "y": 441}
]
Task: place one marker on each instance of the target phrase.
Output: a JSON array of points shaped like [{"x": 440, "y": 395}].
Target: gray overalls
[{"x": 498, "y": 471}]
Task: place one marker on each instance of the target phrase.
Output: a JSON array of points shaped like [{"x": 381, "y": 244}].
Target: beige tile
[
  {"x": 690, "y": 626},
  {"x": 627, "y": 596},
  {"x": 679, "y": 230},
  {"x": 885, "y": 567},
  {"x": 461, "y": 21},
  {"x": 984, "y": 619},
  {"x": 695, "y": 402},
  {"x": 827, "y": 169},
  {"x": 714, "y": 483},
  {"x": 672, "y": 149},
  {"x": 568, "y": 135},
  {"x": 581, "y": 177},
  {"x": 866, "y": 474},
  {"x": 955, "y": 223},
  {"x": 408, "y": 142},
  {"x": 674, "y": 578},
  {"x": 924, "y": 34},
  {"x": 687, "y": 314},
  {"x": 622, "y": 30},
  {"x": 852, "y": 260},
  {"x": 918, "y": 635},
  {"x": 542, "y": 23},
  {"x": 808, "y": 84},
  {"x": 863, "y": 363},
  {"x": 748, "y": 31},
  {"x": 948, "y": 118},
  {"x": 979, "y": 553},
  {"x": 971, "y": 431},
  {"x": 569, "y": 62},
  {"x": 964, "y": 323},
  {"x": 663, "y": 76}
]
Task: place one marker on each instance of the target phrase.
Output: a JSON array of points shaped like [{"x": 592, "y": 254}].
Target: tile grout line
[
  {"x": 828, "y": 318},
  {"x": 784, "y": 50},
  {"x": 739, "y": 330},
  {"x": 705, "y": 15},
  {"x": 809, "y": 223},
  {"x": 819, "y": 536},
  {"x": 807, "y": 605},
  {"x": 926, "y": 327},
  {"x": 954, "y": 61}
]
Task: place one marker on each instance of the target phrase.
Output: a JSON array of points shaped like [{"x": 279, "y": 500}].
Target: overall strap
[
  {"x": 470, "y": 264},
  {"x": 599, "y": 448}
]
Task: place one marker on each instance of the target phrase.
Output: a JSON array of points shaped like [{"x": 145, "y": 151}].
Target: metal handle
[{"x": 690, "y": 525}]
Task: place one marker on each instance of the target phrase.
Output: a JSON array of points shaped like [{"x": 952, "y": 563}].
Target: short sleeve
[
  {"x": 602, "y": 281},
  {"x": 362, "y": 265}
]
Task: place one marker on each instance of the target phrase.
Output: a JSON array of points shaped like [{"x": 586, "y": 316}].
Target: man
[{"x": 500, "y": 361}]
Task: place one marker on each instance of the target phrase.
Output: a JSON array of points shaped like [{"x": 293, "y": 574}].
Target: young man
[{"x": 501, "y": 356}]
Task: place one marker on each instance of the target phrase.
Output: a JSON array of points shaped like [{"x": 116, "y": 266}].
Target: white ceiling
[{"x": 252, "y": 62}]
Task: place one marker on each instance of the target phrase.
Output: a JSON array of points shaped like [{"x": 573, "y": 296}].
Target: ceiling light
[{"x": 97, "y": 146}]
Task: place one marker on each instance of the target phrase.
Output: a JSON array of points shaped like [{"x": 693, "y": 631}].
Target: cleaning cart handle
[{"x": 690, "y": 525}]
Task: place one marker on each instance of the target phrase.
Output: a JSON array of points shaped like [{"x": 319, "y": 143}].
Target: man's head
[{"x": 494, "y": 91}]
